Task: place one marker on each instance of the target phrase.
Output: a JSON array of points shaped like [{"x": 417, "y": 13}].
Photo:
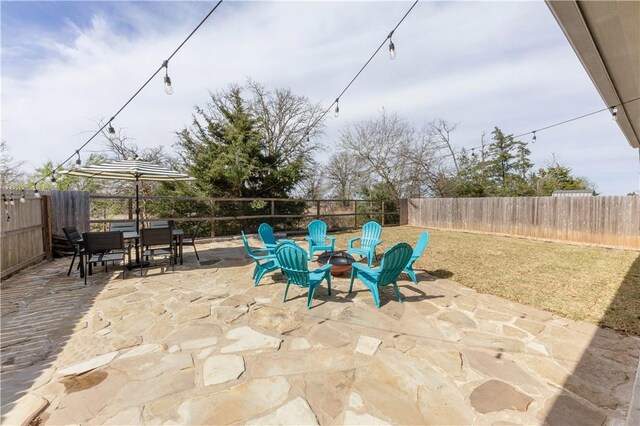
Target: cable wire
[{"x": 133, "y": 96}]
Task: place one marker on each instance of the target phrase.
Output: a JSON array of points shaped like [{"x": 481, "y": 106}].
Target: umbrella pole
[{"x": 137, "y": 207}]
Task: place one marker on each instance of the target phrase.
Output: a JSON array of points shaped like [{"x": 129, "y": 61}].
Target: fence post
[
  {"x": 273, "y": 208},
  {"x": 47, "y": 243},
  {"x": 318, "y": 209},
  {"x": 382, "y": 210},
  {"x": 403, "y": 211},
  {"x": 355, "y": 213},
  {"x": 213, "y": 222}
]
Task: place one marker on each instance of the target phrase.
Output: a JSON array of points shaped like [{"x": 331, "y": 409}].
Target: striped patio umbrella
[{"x": 135, "y": 170}]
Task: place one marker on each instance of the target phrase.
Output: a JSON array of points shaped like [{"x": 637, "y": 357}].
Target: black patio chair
[
  {"x": 157, "y": 242},
  {"x": 191, "y": 239},
  {"x": 103, "y": 247},
  {"x": 74, "y": 237}
]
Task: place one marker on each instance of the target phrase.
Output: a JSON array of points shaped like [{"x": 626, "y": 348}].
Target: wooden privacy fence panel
[
  {"x": 69, "y": 208},
  {"x": 609, "y": 220},
  {"x": 25, "y": 236}
]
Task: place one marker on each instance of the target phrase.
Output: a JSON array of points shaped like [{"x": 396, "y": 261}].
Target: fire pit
[{"x": 340, "y": 261}]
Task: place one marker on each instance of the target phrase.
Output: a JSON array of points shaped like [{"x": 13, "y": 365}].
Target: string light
[
  {"x": 53, "y": 177},
  {"x": 533, "y": 140},
  {"x": 11, "y": 202},
  {"x": 22, "y": 197},
  {"x": 78, "y": 160},
  {"x": 4, "y": 200},
  {"x": 111, "y": 132},
  {"x": 168, "y": 88},
  {"x": 392, "y": 47},
  {"x": 36, "y": 193},
  {"x": 336, "y": 113},
  {"x": 614, "y": 113}
]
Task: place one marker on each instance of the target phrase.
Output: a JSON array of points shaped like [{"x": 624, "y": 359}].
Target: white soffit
[{"x": 606, "y": 37}]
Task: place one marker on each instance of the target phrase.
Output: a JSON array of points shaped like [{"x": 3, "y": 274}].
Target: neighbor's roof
[
  {"x": 606, "y": 37},
  {"x": 573, "y": 192}
]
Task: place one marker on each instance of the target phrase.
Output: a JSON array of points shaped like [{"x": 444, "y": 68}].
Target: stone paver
[{"x": 202, "y": 345}]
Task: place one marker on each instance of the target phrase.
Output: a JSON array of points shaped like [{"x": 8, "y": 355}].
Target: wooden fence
[
  {"x": 223, "y": 215},
  {"x": 611, "y": 220},
  {"x": 69, "y": 208},
  {"x": 26, "y": 231}
]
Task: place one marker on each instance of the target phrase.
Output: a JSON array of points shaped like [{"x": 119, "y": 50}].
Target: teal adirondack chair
[
  {"x": 265, "y": 232},
  {"x": 392, "y": 264},
  {"x": 269, "y": 261},
  {"x": 368, "y": 241},
  {"x": 318, "y": 238},
  {"x": 421, "y": 246},
  {"x": 293, "y": 261}
]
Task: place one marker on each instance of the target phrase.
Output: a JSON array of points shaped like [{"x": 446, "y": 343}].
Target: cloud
[{"x": 480, "y": 64}]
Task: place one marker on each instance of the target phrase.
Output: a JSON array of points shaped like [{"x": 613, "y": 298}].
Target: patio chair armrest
[
  {"x": 350, "y": 241},
  {"x": 308, "y": 238},
  {"x": 363, "y": 268},
  {"x": 331, "y": 239},
  {"x": 267, "y": 256},
  {"x": 323, "y": 268},
  {"x": 265, "y": 252},
  {"x": 376, "y": 242}
]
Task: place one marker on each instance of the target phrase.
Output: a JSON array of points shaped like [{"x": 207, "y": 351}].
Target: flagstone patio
[{"x": 203, "y": 346}]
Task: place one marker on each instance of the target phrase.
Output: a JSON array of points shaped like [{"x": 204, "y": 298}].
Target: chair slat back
[
  {"x": 421, "y": 245},
  {"x": 99, "y": 242},
  {"x": 123, "y": 226},
  {"x": 293, "y": 261},
  {"x": 370, "y": 233},
  {"x": 265, "y": 231},
  {"x": 158, "y": 224},
  {"x": 72, "y": 234},
  {"x": 318, "y": 232},
  {"x": 393, "y": 262},
  {"x": 156, "y": 237}
]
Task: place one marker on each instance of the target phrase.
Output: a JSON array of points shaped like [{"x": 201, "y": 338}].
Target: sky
[{"x": 66, "y": 66}]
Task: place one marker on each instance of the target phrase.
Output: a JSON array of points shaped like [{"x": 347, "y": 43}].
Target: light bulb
[
  {"x": 168, "y": 88},
  {"x": 614, "y": 113},
  {"x": 53, "y": 178},
  {"x": 392, "y": 50},
  {"x": 111, "y": 132},
  {"x": 22, "y": 198},
  {"x": 36, "y": 193},
  {"x": 13, "y": 203},
  {"x": 4, "y": 200},
  {"x": 534, "y": 137},
  {"x": 78, "y": 160},
  {"x": 336, "y": 113}
]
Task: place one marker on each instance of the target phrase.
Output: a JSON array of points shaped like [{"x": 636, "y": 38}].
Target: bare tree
[
  {"x": 433, "y": 174},
  {"x": 10, "y": 169},
  {"x": 289, "y": 122},
  {"x": 343, "y": 175},
  {"x": 439, "y": 132},
  {"x": 313, "y": 185},
  {"x": 383, "y": 147}
]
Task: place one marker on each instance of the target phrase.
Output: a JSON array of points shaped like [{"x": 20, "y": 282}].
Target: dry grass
[{"x": 584, "y": 283}]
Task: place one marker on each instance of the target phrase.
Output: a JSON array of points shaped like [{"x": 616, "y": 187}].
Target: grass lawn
[{"x": 584, "y": 283}]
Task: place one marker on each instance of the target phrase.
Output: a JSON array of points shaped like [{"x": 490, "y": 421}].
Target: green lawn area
[{"x": 584, "y": 283}]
